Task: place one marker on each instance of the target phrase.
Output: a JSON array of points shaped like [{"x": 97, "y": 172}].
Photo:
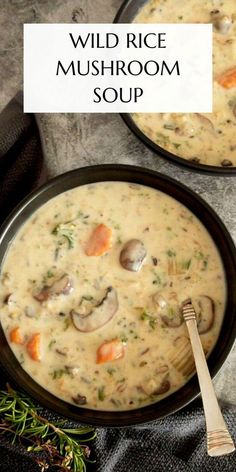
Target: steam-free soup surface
[
  {"x": 91, "y": 289},
  {"x": 207, "y": 138}
]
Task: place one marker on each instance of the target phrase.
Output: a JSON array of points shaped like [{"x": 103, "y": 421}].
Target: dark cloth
[
  {"x": 21, "y": 158},
  {"x": 173, "y": 444}
]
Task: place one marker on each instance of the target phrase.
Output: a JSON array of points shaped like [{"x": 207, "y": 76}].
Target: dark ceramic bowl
[
  {"x": 126, "y": 14},
  {"x": 222, "y": 240}
]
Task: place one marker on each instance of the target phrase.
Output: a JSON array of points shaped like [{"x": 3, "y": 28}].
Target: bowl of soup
[
  {"x": 94, "y": 268},
  {"x": 203, "y": 142}
]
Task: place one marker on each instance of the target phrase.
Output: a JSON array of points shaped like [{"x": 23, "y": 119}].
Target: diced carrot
[
  {"x": 228, "y": 78},
  {"x": 110, "y": 351},
  {"x": 16, "y": 336},
  {"x": 33, "y": 347},
  {"x": 100, "y": 241}
]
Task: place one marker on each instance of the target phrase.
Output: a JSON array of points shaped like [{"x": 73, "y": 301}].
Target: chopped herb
[
  {"x": 157, "y": 280},
  {"x": 205, "y": 264},
  {"x": 82, "y": 217},
  {"x": 66, "y": 231},
  {"x": 176, "y": 145},
  {"x": 121, "y": 380},
  {"x": 152, "y": 321},
  {"x": 162, "y": 138},
  {"x": 124, "y": 338},
  {"x": 52, "y": 342},
  {"x": 171, "y": 253},
  {"x": 186, "y": 264},
  {"x": 47, "y": 276},
  {"x": 116, "y": 226},
  {"x": 111, "y": 371},
  {"x": 115, "y": 402},
  {"x": 101, "y": 394},
  {"x": 201, "y": 257},
  {"x": 66, "y": 323},
  {"x": 119, "y": 240},
  {"x": 165, "y": 211},
  {"x": 58, "y": 373}
]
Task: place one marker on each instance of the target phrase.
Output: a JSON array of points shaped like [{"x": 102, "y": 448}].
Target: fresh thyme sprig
[{"x": 64, "y": 448}]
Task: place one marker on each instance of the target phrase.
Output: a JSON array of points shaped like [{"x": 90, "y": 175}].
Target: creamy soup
[
  {"x": 202, "y": 138},
  {"x": 91, "y": 289}
]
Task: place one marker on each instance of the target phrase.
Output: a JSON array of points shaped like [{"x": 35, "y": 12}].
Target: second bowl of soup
[{"x": 204, "y": 142}]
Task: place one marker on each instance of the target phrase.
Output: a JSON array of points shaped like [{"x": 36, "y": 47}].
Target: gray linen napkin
[{"x": 173, "y": 444}]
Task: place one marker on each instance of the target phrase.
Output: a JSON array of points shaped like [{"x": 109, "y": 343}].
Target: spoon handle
[{"x": 219, "y": 441}]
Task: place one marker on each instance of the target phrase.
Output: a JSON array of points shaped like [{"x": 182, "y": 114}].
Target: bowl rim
[
  {"x": 132, "y": 174},
  {"x": 174, "y": 158}
]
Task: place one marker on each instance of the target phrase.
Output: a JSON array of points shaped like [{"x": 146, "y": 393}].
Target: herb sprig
[
  {"x": 66, "y": 231},
  {"x": 63, "y": 448}
]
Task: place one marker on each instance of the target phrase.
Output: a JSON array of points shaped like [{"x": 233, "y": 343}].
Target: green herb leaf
[
  {"x": 111, "y": 371},
  {"x": 171, "y": 253},
  {"x": 101, "y": 393},
  {"x": 151, "y": 319},
  {"x": 66, "y": 231}
]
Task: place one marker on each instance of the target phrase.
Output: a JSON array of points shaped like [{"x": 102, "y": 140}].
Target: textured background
[{"x": 74, "y": 140}]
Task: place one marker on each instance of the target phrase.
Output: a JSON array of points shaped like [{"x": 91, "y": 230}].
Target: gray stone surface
[{"x": 73, "y": 140}]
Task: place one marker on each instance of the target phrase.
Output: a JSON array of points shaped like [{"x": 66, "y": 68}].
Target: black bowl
[
  {"x": 126, "y": 14},
  {"x": 222, "y": 240}
]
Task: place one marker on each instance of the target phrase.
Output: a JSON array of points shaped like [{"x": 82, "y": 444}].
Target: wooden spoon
[{"x": 219, "y": 441}]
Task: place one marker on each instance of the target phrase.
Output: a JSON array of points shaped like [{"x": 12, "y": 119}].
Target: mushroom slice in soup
[
  {"x": 132, "y": 255},
  {"x": 205, "y": 311},
  {"x": 167, "y": 306},
  {"x": 97, "y": 315},
  {"x": 222, "y": 23},
  {"x": 62, "y": 286},
  {"x": 156, "y": 386}
]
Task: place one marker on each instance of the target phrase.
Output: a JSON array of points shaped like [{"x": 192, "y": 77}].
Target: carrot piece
[
  {"x": 16, "y": 336},
  {"x": 110, "y": 351},
  {"x": 100, "y": 241},
  {"x": 33, "y": 347},
  {"x": 228, "y": 78}
]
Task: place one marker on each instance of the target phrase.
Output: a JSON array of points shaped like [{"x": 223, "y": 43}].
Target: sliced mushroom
[
  {"x": 157, "y": 386},
  {"x": 222, "y": 23},
  {"x": 168, "y": 308},
  {"x": 9, "y": 299},
  {"x": 62, "y": 286},
  {"x": 163, "y": 387},
  {"x": 30, "y": 312},
  {"x": 206, "y": 122},
  {"x": 173, "y": 322},
  {"x": 98, "y": 315},
  {"x": 205, "y": 310},
  {"x": 226, "y": 163},
  {"x": 132, "y": 255},
  {"x": 159, "y": 300},
  {"x": 79, "y": 399}
]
